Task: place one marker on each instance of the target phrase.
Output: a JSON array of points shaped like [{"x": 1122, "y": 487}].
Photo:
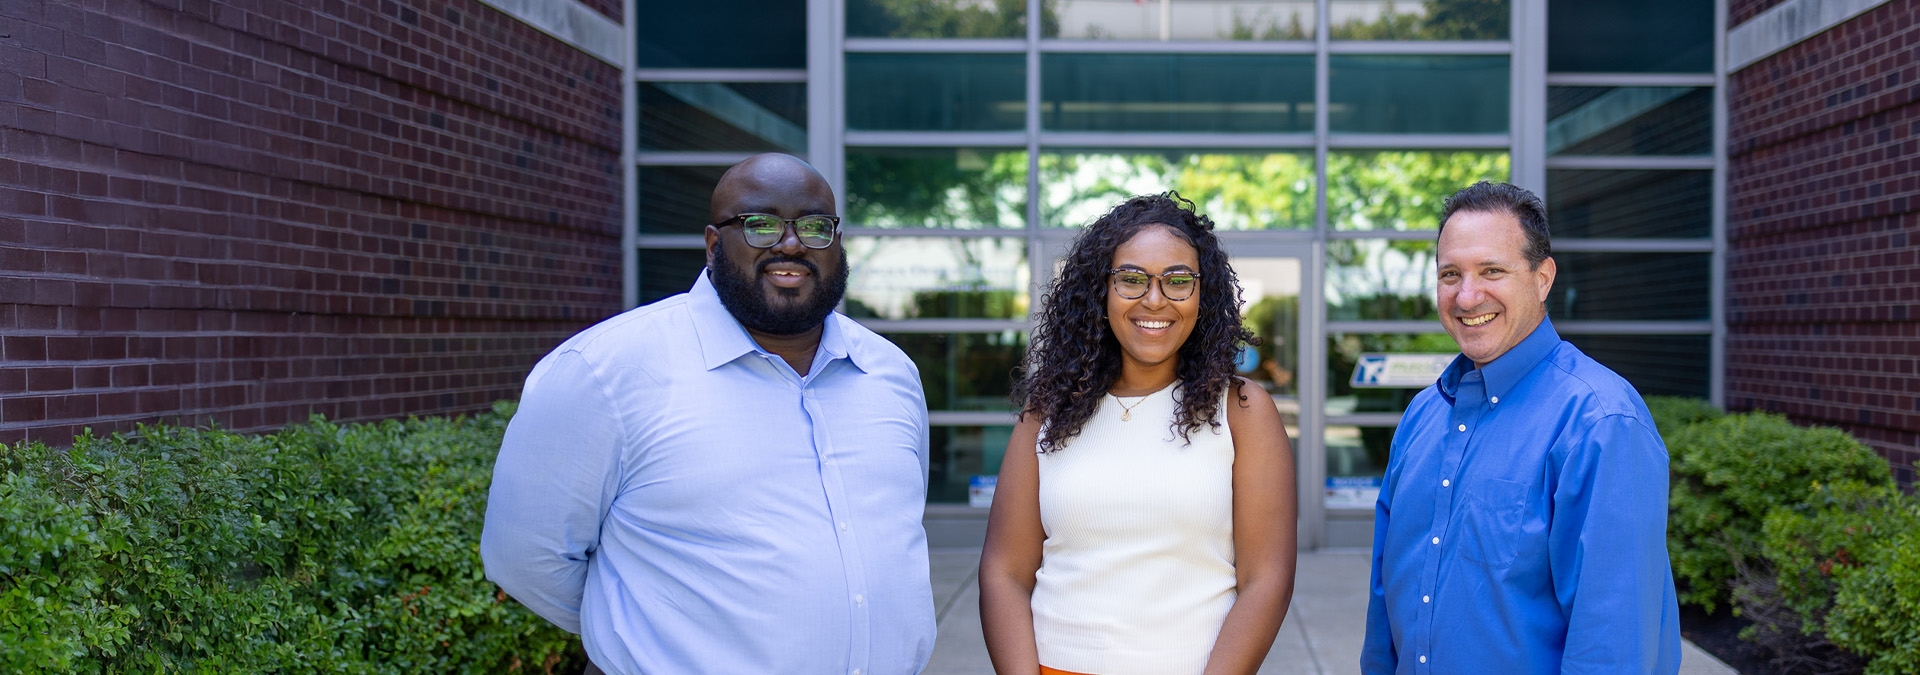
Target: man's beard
[{"x": 741, "y": 294}]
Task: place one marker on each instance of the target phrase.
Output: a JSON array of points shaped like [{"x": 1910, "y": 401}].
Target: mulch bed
[{"x": 1719, "y": 635}]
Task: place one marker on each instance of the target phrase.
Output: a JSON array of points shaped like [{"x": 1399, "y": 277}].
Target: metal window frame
[{"x": 1524, "y": 142}]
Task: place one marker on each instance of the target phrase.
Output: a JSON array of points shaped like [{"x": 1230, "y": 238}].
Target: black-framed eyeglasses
[
  {"x": 1174, "y": 284},
  {"x": 764, "y": 230}
]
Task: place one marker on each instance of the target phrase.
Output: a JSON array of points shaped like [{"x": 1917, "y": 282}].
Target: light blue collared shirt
[
  {"x": 688, "y": 503},
  {"x": 1522, "y": 525}
]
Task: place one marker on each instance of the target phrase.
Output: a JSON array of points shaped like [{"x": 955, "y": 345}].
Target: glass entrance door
[{"x": 1278, "y": 293}]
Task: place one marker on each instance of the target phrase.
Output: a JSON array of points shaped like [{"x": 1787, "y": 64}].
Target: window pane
[
  {"x": 1629, "y": 36},
  {"x": 1177, "y": 92},
  {"x": 1246, "y": 191},
  {"x": 1657, "y": 365},
  {"x": 928, "y": 19},
  {"x": 1623, "y": 204},
  {"x": 1181, "y": 20},
  {"x": 1380, "y": 280},
  {"x": 675, "y": 199},
  {"x": 965, "y": 371},
  {"x": 965, "y": 188},
  {"x": 1343, "y": 353},
  {"x": 710, "y": 34},
  {"x": 1629, "y": 120},
  {"x": 1429, "y": 20},
  {"x": 937, "y": 278},
  {"x": 936, "y": 92},
  {"x": 1418, "y": 94},
  {"x": 1402, "y": 190},
  {"x": 1270, "y": 297},
  {"x": 957, "y": 454},
  {"x": 665, "y": 272},
  {"x": 712, "y": 116},
  {"x": 1631, "y": 287},
  {"x": 1356, "y": 461}
]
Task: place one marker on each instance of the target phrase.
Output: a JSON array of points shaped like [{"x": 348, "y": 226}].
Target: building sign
[
  {"x": 1399, "y": 371},
  {"x": 1352, "y": 492}
]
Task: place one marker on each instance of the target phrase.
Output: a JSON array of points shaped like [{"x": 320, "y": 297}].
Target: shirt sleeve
[
  {"x": 1608, "y": 548},
  {"x": 1377, "y": 655},
  {"x": 553, "y": 483}
]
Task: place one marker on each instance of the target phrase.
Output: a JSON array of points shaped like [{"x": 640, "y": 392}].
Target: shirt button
[
  {"x": 856, "y": 671},
  {"x": 1426, "y": 598},
  {"x": 1446, "y": 483},
  {"x": 859, "y": 599},
  {"x": 1436, "y": 541},
  {"x": 843, "y": 527},
  {"x": 1496, "y": 399},
  {"x": 1423, "y": 659},
  {"x": 1463, "y": 427}
]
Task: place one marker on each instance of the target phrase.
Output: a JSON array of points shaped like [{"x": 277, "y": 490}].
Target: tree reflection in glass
[
  {"x": 1242, "y": 191},
  {"x": 1402, "y": 189},
  {"x": 1380, "y": 280},
  {"x": 1411, "y": 20},
  {"x": 940, "y": 18},
  {"x": 961, "y": 188}
]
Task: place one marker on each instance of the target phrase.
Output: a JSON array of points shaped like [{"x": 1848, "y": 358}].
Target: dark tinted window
[
  {"x": 722, "y": 34},
  {"x": 1622, "y": 204},
  {"x": 1176, "y": 92},
  {"x": 1631, "y": 287},
  {"x": 675, "y": 199},
  {"x": 1630, "y": 36}
]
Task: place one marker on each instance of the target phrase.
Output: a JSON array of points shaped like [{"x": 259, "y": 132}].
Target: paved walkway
[{"x": 1321, "y": 636}]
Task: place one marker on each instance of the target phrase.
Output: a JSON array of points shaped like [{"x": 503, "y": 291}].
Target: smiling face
[
  {"x": 787, "y": 289},
  {"x": 1151, "y": 328},
  {"x": 1489, "y": 298}
]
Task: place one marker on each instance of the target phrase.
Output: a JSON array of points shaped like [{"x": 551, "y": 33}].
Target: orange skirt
[{"x": 1055, "y": 671}]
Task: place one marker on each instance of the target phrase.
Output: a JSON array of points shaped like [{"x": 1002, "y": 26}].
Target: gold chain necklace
[{"x": 1126, "y": 411}]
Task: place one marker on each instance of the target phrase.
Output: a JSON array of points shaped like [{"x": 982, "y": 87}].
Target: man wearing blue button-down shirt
[
  {"x": 1521, "y": 525},
  {"x": 729, "y": 480}
]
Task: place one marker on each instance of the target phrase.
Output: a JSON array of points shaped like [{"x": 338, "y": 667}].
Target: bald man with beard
[{"x": 729, "y": 480}]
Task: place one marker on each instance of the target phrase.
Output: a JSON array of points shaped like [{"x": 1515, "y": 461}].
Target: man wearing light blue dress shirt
[
  {"x": 729, "y": 480},
  {"x": 1521, "y": 525}
]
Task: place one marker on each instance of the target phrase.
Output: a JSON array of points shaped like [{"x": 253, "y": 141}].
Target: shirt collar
[
  {"x": 1507, "y": 370},
  {"x": 722, "y": 338}
]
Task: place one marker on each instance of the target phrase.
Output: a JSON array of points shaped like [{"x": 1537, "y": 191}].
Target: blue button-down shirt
[
  {"x": 1521, "y": 526},
  {"x": 688, "y": 503}
]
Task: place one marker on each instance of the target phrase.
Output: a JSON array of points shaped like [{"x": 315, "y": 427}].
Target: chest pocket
[{"x": 1493, "y": 525}]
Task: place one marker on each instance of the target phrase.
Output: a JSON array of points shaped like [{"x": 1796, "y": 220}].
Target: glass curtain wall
[
  {"x": 1630, "y": 171},
  {"x": 709, "y": 90},
  {"x": 970, "y": 139}
]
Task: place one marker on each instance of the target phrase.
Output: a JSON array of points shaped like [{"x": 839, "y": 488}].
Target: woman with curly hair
[{"x": 1144, "y": 517}]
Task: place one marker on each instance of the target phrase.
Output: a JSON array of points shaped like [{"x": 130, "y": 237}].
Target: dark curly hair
[{"x": 1073, "y": 357}]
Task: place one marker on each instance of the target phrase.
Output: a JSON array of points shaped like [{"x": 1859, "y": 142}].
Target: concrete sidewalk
[{"x": 1321, "y": 636}]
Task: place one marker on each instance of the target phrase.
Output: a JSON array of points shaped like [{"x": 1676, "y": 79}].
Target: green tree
[
  {"x": 942, "y": 18},
  {"x": 1433, "y": 20},
  {"x": 914, "y": 187}
]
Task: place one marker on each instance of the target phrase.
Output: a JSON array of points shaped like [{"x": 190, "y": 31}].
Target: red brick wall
[
  {"x": 245, "y": 211},
  {"x": 1823, "y": 225}
]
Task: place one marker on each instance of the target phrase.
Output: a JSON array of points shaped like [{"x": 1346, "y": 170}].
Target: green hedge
[
  {"x": 1802, "y": 529},
  {"x": 319, "y": 549},
  {"x": 1730, "y": 472},
  {"x": 1845, "y": 567}
]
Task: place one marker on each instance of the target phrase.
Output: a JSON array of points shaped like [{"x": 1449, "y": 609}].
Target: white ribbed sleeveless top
[{"x": 1136, "y": 574}]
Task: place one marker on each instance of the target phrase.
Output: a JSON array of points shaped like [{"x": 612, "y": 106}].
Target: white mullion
[
  {"x": 737, "y": 75},
  {"x": 1630, "y": 80},
  {"x": 917, "y": 139},
  {"x": 1179, "y": 140},
  {"x": 1629, "y": 162},
  {"x": 1056, "y": 46},
  {"x": 1361, "y": 141},
  {"x": 1421, "y": 48}
]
